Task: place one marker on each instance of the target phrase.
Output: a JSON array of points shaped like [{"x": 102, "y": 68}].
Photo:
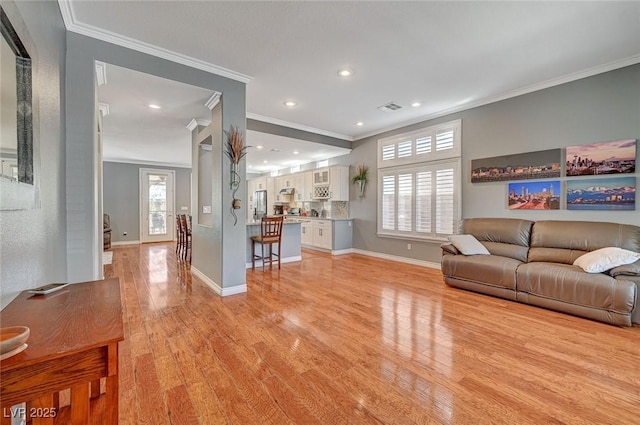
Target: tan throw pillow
[
  {"x": 468, "y": 245},
  {"x": 604, "y": 259}
]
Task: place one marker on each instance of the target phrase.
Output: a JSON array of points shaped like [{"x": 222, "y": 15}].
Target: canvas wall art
[
  {"x": 540, "y": 195},
  {"x": 614, "y": 194},
  {"x": 524, "y": 166},
  {"x": 618, "y": 157}
]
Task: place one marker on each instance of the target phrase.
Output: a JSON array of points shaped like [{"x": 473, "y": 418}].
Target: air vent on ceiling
[{"x": 390, "y": 107}]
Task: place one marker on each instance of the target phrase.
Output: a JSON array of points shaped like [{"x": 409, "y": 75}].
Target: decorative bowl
[{"x": 13, "y": 337}]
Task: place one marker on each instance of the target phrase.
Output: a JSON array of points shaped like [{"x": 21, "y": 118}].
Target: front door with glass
[{"x": 157, "y": 222}]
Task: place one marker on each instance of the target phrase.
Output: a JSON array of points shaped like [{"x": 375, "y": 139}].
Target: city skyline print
[
  {"x": 523, "y": 166},
  {"x": 608, "y": 194},
  {"x": 538, "y": 195},
  {"x": 617, "y": 157}
]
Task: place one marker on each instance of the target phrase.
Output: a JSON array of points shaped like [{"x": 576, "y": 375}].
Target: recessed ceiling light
[
  {"x": 345, "y": 72},
  {"x": 154, "y": 106},
  {"x": 290, "y": 103},
  {"x": 259, "y": 147},
  {"x": 296, "y": 152},
  {"x": 265, "y": 161},
  {"x": 359, "y": 123},
  {"x": 416, "y": 104}
]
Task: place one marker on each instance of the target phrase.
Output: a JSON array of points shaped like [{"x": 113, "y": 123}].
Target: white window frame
[{"x": 414, "y": 163}]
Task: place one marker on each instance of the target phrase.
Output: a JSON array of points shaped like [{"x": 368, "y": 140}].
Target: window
[
  {"x": 419, "y": 183},
  {"x": 323, "y": 163}
]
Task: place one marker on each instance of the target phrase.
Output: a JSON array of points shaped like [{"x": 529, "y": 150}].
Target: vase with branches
[
  {"x": 236, "y": 150},
  {"x": 361, "y": 178}
]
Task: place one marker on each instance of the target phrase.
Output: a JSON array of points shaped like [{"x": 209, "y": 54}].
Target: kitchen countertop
[{"x": 296, "y": 219}]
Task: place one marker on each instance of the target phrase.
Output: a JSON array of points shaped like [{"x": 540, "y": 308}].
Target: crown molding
[
  {"x": 194, "y": 123},
  {"x": 146, "y": 163},
  {"x": 298, "y": 126},
  {"x": 590, "y": 72},
  {"x": 104, "y": 109},
  {"x": 213, "y": 100},
  {"x": 70, "y": 21},
  {"x": 101, "y": 73}
]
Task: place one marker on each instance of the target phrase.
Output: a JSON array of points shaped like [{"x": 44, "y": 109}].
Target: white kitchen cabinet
[
  {"x": 271, "y": 194},
  {"x": 322, "y": 234},
  {"x": 306, "y": 228},
  {"x": 300, "y": 187},
  {"x": 331, "y": 183},
  {"x": 321, "y": 176},
  {"x": 339, "y": 183},
  {"x": 260, "y": 183},
  {"x": 308, "y": 186},
  {"x": 251, "y": 202}
]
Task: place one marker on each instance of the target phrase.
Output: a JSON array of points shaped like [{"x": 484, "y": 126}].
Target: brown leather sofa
[{"x": 531, "y": 262}]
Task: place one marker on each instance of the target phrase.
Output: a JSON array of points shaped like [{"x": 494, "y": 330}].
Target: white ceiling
[{"x": 446, "y": 55}]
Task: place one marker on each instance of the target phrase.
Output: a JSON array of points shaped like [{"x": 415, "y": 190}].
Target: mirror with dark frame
[{"x": 16, "y": 119}]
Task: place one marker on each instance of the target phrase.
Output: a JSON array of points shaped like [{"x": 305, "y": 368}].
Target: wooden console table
[{"x": 73, "y": 344}]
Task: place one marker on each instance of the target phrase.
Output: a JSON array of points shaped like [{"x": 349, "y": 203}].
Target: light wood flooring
[{"x": 358, "y": 340}]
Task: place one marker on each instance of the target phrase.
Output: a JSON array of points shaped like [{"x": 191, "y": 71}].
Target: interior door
[{"x": 157, "y": 222}]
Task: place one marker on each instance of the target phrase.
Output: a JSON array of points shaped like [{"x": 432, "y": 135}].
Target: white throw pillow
[
  {"x": 468, "y": 245},
  {"x": 604, "y": 259}
]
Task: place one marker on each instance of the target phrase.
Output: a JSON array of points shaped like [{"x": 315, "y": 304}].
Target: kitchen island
[{"x": 291, "y": 236}]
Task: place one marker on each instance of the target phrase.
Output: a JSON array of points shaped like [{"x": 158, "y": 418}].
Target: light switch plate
[{"x": 184, "y": 208}]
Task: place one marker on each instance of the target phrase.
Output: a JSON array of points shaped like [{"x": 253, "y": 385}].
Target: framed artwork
[
  {"x": 609, "y": 194},
  {"x": 539, "y": 195},
  {"x": 523, "y": 166},
  {"x": 618, "y": 157}
]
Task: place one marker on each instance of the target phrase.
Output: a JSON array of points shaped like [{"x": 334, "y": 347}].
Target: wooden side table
[{"x": 73, "y": 344}]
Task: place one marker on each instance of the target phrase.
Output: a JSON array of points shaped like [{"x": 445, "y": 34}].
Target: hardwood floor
[{"x": 358, "y": 340}]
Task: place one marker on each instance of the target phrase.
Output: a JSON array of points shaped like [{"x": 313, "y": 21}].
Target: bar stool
[{"x": 270, "y": 233}]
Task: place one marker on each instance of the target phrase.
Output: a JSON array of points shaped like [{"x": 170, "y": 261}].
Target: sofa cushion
[
  {"x": 489, "y": 269},
  {"x": 626, "y": 270},
  {"x": 468, "y": 245},
  {"x": 505, "y": 237},
  {"x": 570, "y": 284},
  {"x": 604, "y": 259},
  {"x": 564, "y": 241}
]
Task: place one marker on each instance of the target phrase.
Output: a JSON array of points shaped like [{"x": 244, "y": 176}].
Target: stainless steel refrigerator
[{"x": 261, "y": 204}]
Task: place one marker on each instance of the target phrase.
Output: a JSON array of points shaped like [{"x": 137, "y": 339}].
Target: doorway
[{"x": 157, "y": 222}]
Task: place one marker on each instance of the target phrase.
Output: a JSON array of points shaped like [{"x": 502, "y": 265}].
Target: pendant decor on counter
[
  {"x": 361, "y": 178},
  {"x": 236, "y": 150}
]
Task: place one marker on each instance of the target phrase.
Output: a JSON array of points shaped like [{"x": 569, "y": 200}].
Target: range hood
[{"x": 287, "y": 191}]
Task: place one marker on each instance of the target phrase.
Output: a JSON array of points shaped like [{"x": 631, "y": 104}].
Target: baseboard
[
  {"x": 223, "y": 292},
  {"x": 284, "y": 260},
  {"x": 397, "y": 258},
  {"x": 125, "y": 243}
]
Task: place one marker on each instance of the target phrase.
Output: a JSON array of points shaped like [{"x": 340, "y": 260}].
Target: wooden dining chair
[
  {"x": 185, "y": 229},
  {"x": 270, "y": 233}
]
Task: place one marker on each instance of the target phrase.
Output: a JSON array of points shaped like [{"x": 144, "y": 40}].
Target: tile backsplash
[{"x": 333, "y": 209}]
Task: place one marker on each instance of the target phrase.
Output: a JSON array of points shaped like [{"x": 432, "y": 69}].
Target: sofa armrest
[
  {"x": 449, "y": 249},
  {"x": 632, "y": 269}
]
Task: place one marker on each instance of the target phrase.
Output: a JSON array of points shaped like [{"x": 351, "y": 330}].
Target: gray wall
[
  {"x": 33, "y": 242},
  {"x": 84, "y": 220},
  {"x": 121, "y": 196},
  {"x": 600, "y": 108}
]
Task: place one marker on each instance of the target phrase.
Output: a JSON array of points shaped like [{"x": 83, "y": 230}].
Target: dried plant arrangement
[{"x": 236, "y": 149}]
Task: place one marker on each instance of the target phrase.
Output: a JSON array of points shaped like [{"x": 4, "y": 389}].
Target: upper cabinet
[{"x": 329, "y": 183}]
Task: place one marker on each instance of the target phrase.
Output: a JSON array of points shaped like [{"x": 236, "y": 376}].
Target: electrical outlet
[
  {"x": 184, "y": 208},
  {"x": 124, "y": 233},
  {"x": 409, "y": 246}
]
